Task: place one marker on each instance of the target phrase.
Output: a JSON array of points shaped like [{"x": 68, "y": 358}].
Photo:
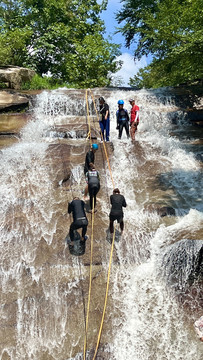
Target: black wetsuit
[
  {"x": 77, "y": 207},
  {"x": 89, "y": 159},
  {"x": 93, "y": 186},
  {"x": 122, "y": 122},
  {"x": 116, "y": 213}
]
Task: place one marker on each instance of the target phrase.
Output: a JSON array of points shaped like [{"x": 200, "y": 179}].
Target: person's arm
[
  {"x": 127, "y": 115},
  {"x": 69, "y": 207},
  {"x": 136, "y": 116},
  {"x": 107, "y": 112},
  {"x": 86, "y": 177},
  {"x": 88, "y": 159},
  {"x": 124, "y": 202},
  {"x": 117, "y": 119}
]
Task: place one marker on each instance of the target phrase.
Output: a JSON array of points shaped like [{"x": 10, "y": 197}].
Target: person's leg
[
  {"x": 95, "y": 200},
  {"x": 107, "y": 128},
  {"x": 102, "y": 129},
  {"x": 91, "y": 200},
  {"x": 111, "y": 226},
  {"x": 95, "y": 190},
  {"x": 92, "y": 194},
  {"x": 71, "y": 231},
  {"x": 127, "y": 128},
  {"x": 86, "y": 191},
  {"x": 122, "y": 226},
  {"x": 132, "y": 131},
  {"x": 84, "y": 230},
  {"x": 120, "y": 129}
]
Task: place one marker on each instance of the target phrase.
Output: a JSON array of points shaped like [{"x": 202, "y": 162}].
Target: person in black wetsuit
[
  {"x": 90, "y": 157},
  {"x": 122, "y": 118},
  {"x": 93, "y": 181},
  {"x": 118, "y": 202},
  {"x": 77, "y": 208}
]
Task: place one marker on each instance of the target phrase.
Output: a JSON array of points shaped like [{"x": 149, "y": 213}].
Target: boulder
[
  {"x": 10, "y": 101},
  {"x": 182, "y": 263},
  {"x": 161, "y": 210},
  {"x": 14, "y": 76}
]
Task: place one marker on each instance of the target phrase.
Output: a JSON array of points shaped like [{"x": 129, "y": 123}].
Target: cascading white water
[
  {"x": 158, "y": 168},
  {"x": 153, "y": 325}
]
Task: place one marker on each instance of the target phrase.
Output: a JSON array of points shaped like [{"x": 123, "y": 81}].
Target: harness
[{"x": 122, "y": 115}]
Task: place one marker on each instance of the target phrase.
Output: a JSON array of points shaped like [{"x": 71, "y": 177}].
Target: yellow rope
[
  {"x": 91, "y": 250},
  {"x": 105, "y": 303},
  {"x": 91, "y": 255},
  {"x": 90, "y": 285}
]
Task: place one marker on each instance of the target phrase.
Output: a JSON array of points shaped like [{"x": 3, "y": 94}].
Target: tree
[
  {"x": 57, "y": 36},
  {"x": 170, "y": 30}
]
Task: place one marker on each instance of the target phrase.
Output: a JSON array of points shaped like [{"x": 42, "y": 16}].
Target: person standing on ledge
[
  {"x": 104, "y": 121},
  {"x": 122, "y": 118},
  {"x": 134, "y": 118},
  {"x": 77, "y": 208},
  {"x": 118, "y": 202}
]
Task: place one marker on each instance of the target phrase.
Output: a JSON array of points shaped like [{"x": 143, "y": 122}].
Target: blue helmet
[
  {"x": 120, "y": 102},
  {"x": 95, "y": 146}
]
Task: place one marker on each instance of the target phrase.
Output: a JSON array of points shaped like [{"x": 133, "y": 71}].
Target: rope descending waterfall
[
  {"x": 90, "y": 283},
  {"x": 91, "y": 255}
]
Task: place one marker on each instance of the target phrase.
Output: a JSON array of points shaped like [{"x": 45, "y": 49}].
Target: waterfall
[{"x": 150, "y": 314}]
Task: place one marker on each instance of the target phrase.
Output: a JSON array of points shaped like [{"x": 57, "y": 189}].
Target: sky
[{"x": 129, "y": 68}]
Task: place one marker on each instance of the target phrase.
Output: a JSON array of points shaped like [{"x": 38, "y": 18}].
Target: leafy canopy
[
  {"x": 64, "y": 37},
  {"x": 170, "y": 30}
]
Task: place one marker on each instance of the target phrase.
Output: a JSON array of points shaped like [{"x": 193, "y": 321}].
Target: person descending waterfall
[
  {"x": 122, "y": 118},
  {"x": 118, "y": 202},
  {"x": 90, "y": 157},
  {"x": 93, "y": 181},
  {"x": 134, "y": 118},
  {"x": 77, "y": 208},
  {"x": 104, "y": 121}
]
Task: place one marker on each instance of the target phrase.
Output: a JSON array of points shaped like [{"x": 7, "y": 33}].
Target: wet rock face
[
  {"x": 161, "y": 210},
  {"x": 12, "y": 101},
  {"x": 70, "y": 132},
  {"x": 166, "y": 210},
  {"x": 14, "y": 76},
  {"x": 183, "y": 263},
  {"x": 199, "y": 157}
]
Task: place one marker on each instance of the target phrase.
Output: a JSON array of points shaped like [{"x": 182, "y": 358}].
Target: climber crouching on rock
[{"x": 77, "y": 208}]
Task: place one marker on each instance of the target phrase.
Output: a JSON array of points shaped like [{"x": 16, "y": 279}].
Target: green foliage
[
  {"x": 92, "y": 59},
  {"x": 38, "y": 83},
  {"x": 2, "y": 85},
  {"x": 64, "y": 37},
  {"x": 171, "y": 30}
]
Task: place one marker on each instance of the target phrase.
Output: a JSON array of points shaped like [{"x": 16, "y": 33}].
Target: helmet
[
  {"x": 95, "y": 146},
  {"x": 120, "y": 102}
]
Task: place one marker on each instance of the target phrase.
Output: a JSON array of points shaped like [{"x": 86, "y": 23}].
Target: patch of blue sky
[{"x": 130, "y": 65}]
